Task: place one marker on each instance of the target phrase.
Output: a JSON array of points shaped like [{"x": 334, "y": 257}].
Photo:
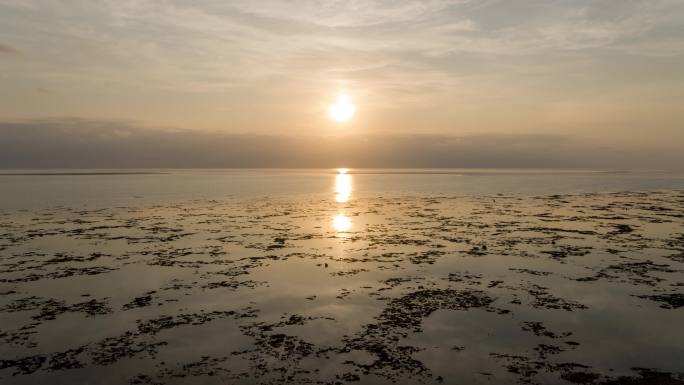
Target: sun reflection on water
[
  {"x": 343, "y": 186},
  {"x": 343, "y": 190},
  {"x": 342, "y": 223}
]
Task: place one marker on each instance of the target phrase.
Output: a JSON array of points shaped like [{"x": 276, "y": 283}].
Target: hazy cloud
[
  {"x": 77, "y": 143},
  {"x": 7, "y": 50}
]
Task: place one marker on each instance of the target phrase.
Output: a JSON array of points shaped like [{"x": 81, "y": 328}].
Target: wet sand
[{"x": 585, "y": 288}]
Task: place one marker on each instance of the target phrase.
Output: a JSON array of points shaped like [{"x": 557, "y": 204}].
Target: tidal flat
[{"x": 558, "y": 289}]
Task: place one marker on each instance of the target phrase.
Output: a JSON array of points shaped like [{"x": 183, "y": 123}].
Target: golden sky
[{"x": 603, "y": 71}]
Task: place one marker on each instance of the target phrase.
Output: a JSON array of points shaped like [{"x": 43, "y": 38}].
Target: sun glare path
[{"x": 343, "y": 187}]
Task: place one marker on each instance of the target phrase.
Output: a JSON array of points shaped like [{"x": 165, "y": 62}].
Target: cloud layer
[
  {"x": 7, "y": 50},
  {"x": 75, "y": 143}
]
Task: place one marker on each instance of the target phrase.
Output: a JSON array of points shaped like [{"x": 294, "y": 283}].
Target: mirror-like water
[{"x": 343, "y": 284}]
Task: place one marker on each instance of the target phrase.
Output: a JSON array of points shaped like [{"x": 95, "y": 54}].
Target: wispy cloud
[
  {"x": 210, "y": 43},
  {"x": 358, "y": 13}
]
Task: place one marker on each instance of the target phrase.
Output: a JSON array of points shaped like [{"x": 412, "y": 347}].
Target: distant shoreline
[{"x": 79, "y": 173}]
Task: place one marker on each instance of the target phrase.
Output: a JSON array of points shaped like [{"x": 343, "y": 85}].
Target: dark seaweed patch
[{"x": 667, "y": 301}]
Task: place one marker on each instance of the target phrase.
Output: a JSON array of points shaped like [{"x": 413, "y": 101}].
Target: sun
[{"x": 342, "y": 110}]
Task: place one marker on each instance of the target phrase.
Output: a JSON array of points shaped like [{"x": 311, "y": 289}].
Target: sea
[{"x": 27, "y": 189}]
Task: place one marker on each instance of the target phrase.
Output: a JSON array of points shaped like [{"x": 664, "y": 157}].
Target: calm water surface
[
  {"x": 106, "y": 188},
  {"x": 342, "y": 276}
]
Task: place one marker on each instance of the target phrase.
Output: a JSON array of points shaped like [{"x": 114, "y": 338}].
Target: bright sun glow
[{"x": 342, "y": 110}]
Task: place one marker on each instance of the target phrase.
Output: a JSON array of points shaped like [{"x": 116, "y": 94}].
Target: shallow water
[
  {"x": 21, "y": 189},
  {"x": 347, "y": 284}
]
